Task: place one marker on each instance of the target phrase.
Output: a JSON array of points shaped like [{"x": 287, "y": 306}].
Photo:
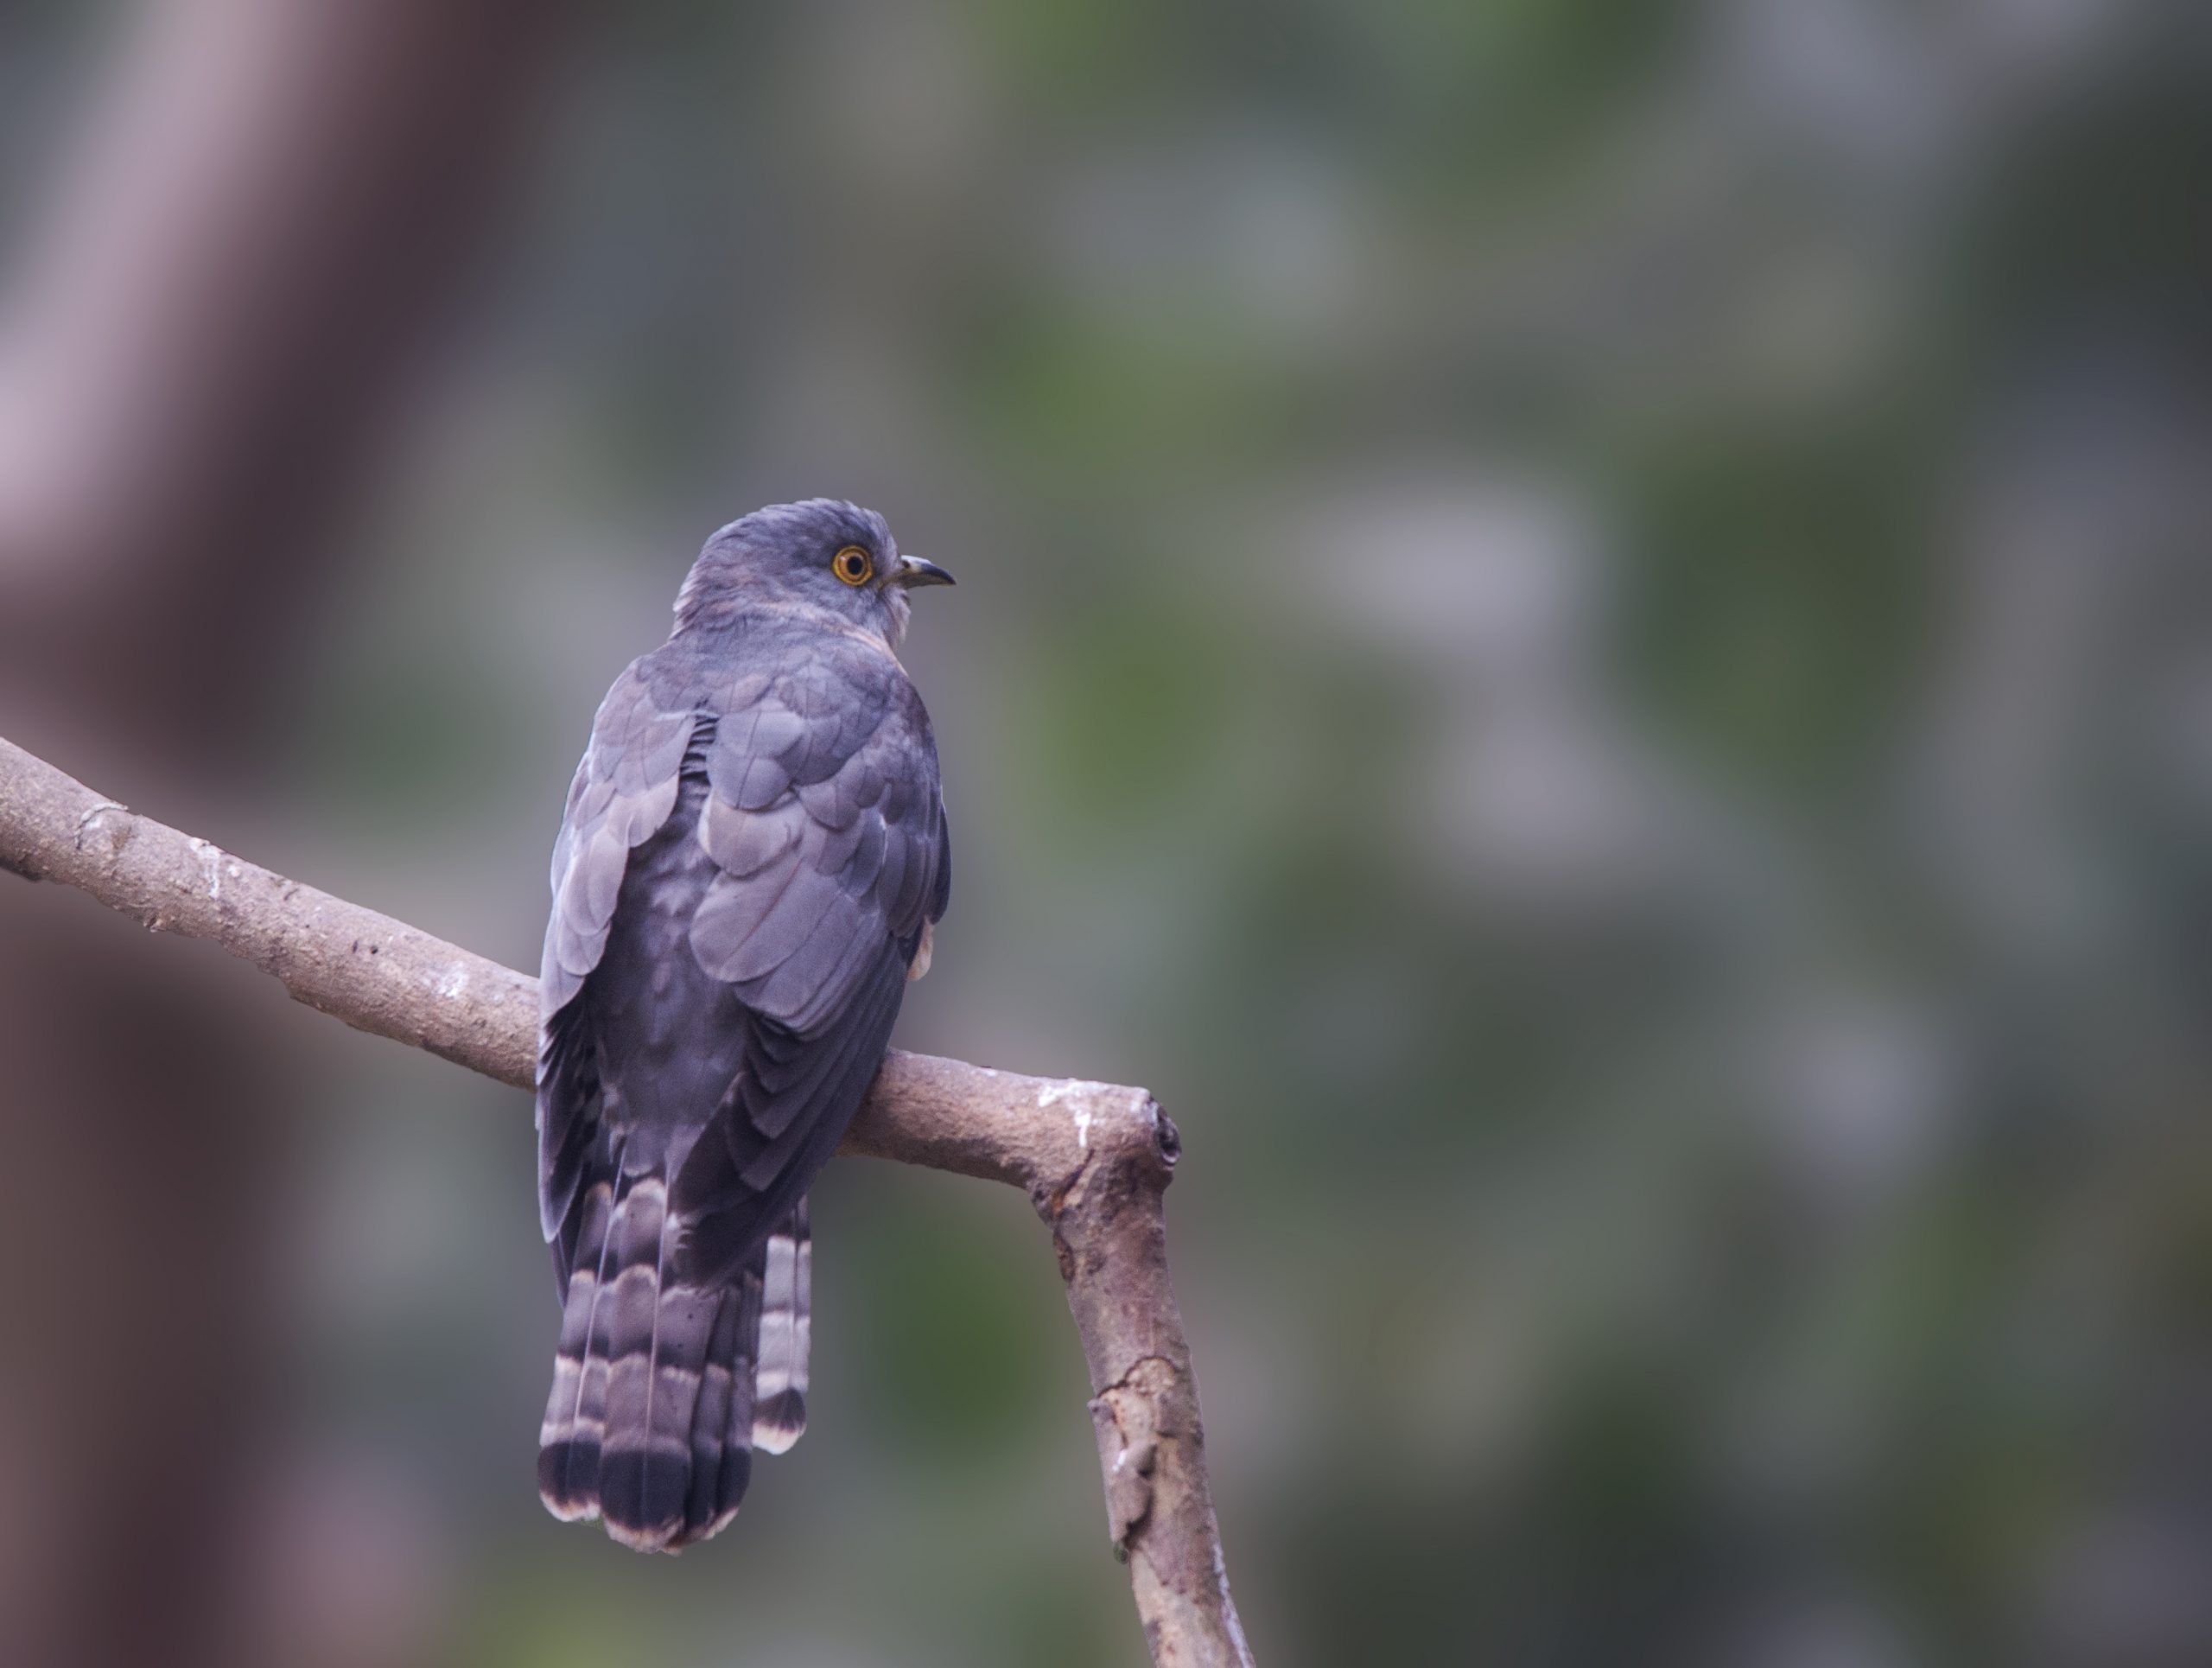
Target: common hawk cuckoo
[{"x": 753, "y": 858}]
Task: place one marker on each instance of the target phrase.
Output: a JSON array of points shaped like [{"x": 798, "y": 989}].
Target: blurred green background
[{"x": 1583, "y": 635}]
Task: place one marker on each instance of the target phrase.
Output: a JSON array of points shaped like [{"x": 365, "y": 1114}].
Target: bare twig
[{"x": 1095, "y": 1158}]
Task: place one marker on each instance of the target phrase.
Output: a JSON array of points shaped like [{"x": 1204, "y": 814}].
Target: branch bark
[{"x": 1094, "y": 1158}]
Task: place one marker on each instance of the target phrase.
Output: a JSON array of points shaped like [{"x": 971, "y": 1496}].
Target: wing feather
[
  {"x": 812, "y": 918},
  {"x": 624, "y": 792}
]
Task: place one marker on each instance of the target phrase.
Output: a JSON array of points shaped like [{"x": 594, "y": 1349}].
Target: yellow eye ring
[{"x": 854, "y": 566}]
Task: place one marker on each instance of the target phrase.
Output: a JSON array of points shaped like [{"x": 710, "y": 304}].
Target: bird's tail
[
  {"x": 661, "y": 1391},
  {"x": 786, "y": 1333}
]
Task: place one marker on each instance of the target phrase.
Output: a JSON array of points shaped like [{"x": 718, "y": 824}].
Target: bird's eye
[{"x": 854, "y": 566}]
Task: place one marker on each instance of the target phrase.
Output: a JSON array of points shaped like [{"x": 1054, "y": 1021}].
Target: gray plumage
[{"x": 753, "y": 856}]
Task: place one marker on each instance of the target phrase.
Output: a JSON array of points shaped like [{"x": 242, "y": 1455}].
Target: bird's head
[{"x": 823, "y": 553}]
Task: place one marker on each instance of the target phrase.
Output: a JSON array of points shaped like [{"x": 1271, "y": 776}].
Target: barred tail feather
[
  {"x": 702, "y": 1512},
  {"x": 779, "y": 1385},
  {"x": 568, "y": 1440},
  {"x": 734, "y": 1470},
  {"x": 650, "y": 1419}
]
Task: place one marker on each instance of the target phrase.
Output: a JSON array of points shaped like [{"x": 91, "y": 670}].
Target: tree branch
[{"x": 1095, "y": 1158}]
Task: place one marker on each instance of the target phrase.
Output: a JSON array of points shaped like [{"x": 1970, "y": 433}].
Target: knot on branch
[
  {"x": 1144, "y": 1141},
  {"x": 1125, "y": 1152}
]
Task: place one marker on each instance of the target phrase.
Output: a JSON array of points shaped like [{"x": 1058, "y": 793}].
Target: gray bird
[{"x": 753, "y": 858}]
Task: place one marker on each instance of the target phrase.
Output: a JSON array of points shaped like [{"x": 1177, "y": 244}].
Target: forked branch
[{"x": 1094, "y": 1158}]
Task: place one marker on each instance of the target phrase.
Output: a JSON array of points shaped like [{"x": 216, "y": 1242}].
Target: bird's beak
[{"x": 914, "y": 571}]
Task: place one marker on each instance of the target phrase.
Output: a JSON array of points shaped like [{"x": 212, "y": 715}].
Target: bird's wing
[
  {"x": 624, "y": 791},
  {"x": 826, "y": 826}
]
